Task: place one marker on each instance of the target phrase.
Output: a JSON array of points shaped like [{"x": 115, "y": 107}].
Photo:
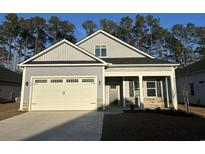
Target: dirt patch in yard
[
  {"x": 200, "y": 110},
  {"x": 8, "y": 110},
  {"x": 153, "y": 125}
]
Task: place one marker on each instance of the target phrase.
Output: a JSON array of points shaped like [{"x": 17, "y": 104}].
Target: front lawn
[
  {"x": 153, "y": 125},
  {"x": 8, "y": 110}
]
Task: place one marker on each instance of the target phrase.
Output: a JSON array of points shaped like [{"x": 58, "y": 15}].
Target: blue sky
[{"x": 166, "y": 20}]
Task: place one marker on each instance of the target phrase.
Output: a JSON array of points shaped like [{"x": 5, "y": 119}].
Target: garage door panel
[{"x": 68, "y": 95}]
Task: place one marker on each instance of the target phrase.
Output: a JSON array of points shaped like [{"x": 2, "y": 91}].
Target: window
[
  {"x": 133, "y": 88},
  {"x": 192, "y": 89},
  {"x": 113, "y": 87},
  {"x": 137, "y": 89},
  {"x": 101, "y": 50},
  {"x": 57, "y": 81},
  {"x": 72, "y": 80},
  {"x": 154, "y": 88},
  {"x": 87, "y": 80},
  {"x": 40, "y": 81},
  {"x": 151, "y": 89}
]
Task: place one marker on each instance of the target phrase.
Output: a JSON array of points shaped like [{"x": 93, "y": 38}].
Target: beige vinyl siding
[
  {"x": 64, "y": 52},
  {"x": 114, "y": 48}
]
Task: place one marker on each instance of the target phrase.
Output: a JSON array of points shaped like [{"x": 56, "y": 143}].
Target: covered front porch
[{"x": 141, "y": 91}]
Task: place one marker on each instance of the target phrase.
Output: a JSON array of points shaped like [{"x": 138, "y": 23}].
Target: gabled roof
[
  {"x": 116, "y": 39},
  {"x": 138, "y": 61},
  {"x": 29, "y": 61}
]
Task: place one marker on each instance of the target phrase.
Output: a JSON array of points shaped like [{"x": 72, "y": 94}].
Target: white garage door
[{"x": 64, "y": 94}]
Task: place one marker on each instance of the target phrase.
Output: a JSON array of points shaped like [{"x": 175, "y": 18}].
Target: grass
[
  {"x": 153, "y": 125},
  {"x": 9, "y": 110}
]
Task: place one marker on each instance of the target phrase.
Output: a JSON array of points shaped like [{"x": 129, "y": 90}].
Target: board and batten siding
[
  {"x": 63, "y": 71},
  {"x": 114, "y": 48},
  {"x": 64, "y": 52}
]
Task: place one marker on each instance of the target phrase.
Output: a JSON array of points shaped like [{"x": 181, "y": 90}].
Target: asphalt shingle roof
[
  {"x": 193, "y": 68},
  {"x": 135, "y": 61},
  {"x": 63, "y": 62}
]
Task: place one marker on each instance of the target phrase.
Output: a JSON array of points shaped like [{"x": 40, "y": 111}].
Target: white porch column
[
  {"x": 103, "y": 84},
  {"x": 167, "y": 91},
  {"x": 141, "y": 92},
  {"x": 174, "y": 90},
  {"x": 22, "y": 88},
  {"x": 123, "y": 91}
]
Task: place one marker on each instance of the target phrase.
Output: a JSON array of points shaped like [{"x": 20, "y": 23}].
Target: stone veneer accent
[
  {"x": 153, "y": 103},
  {"x": 130, "y": 101},
  {"x": 100, "y": 103},
  {"x": 25, "y": 105}
]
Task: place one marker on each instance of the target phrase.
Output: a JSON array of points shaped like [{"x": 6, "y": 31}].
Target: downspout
[{"x": 22, "y": 88}]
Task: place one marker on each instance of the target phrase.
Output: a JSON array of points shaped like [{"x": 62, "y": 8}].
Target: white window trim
[
  {"x": 100, "y": 50},
  {"x": 156, "y": 90}
]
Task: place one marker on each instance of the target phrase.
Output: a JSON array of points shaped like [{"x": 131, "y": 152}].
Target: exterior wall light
[{"x": 26, "y": 83}]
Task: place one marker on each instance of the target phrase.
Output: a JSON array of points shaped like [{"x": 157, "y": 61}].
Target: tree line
[{"x": 21, "y": 38}]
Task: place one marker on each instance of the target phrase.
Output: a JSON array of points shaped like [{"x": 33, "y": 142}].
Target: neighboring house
[
  {"x": 191, "y": 79},
  {"x": 94, "y": 73},
  {"x": 10, "y": 85}
]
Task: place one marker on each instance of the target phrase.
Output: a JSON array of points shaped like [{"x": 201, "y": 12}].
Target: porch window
[
  {"x": 101, "y": 50},
  {"x": 151, "y": 89},
  {"x": 154, "y": 88}
]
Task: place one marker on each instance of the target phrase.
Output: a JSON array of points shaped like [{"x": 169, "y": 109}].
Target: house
[
  {"x": 98, "y": 71},
  {"x": 191, "y": 79},
  {"x": 10, "y": 85}
]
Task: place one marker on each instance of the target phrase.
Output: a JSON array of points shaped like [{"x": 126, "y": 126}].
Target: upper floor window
[
  {"x": 192, "y": 89},
  {"x": 101, "y": 50}
]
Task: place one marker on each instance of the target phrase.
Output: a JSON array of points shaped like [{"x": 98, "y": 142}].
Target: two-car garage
[{"x": 63, "y": 93}]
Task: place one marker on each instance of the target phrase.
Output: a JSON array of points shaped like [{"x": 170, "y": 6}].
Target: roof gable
[
  {"x": 120, "y": 47},
  {"x": 63, "y": 52}
]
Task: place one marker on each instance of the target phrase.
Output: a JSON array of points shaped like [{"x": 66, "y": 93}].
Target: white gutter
[{"x": 46, "y": 65}]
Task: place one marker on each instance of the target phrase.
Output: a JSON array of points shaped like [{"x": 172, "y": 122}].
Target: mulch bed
[
  {"x": 8, "y": 110},
  {"x": 153, "y": 125}
]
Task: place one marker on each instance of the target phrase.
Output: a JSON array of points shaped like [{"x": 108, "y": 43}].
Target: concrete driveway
[{"x": 53, "y": 126}]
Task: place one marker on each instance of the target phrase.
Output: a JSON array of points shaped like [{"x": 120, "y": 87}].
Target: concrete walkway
[{"x": 54, "y": 126}]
